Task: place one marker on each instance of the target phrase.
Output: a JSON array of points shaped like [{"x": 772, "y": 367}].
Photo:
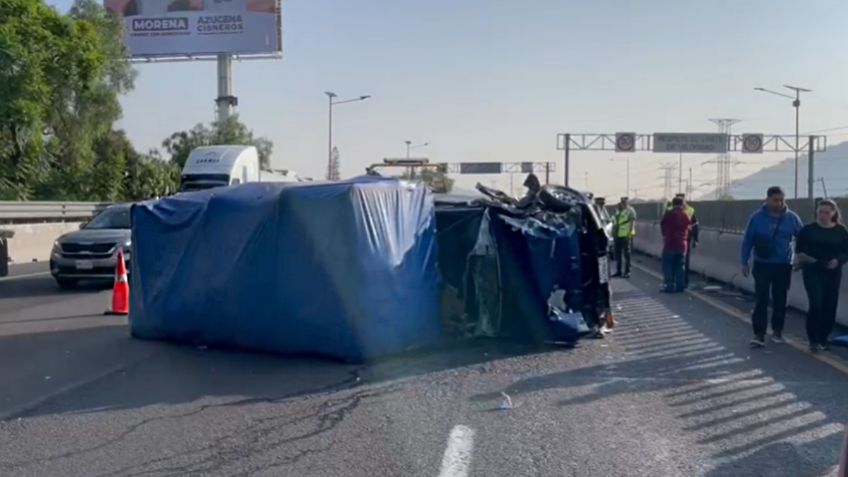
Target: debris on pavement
[{"x": 507, "y": 402}]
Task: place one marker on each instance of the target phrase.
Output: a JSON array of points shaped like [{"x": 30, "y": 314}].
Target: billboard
[{"x": 172, "y": 28}]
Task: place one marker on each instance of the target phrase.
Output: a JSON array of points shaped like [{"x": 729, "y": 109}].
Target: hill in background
[{"x": 831, "y": 165}]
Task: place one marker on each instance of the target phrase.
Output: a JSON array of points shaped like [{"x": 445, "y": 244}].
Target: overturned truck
[
  {"x": 537, "y": 271},
  {"x": 359, "y": 269}
]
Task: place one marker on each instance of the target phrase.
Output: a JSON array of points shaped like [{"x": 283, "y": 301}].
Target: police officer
[{"x": 624, "y": 228}]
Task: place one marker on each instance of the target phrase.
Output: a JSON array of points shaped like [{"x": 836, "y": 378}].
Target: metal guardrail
[{"x": 47, "y": 211}]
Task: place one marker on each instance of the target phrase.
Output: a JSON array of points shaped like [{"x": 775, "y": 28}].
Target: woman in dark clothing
[{"x": 822, "y": 250}]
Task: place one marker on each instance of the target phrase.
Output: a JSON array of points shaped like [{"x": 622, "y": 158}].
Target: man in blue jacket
[{"x": 770, "y": 237}]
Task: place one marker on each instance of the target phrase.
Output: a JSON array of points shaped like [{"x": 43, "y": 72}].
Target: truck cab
[
  {"x": 219, "y": 166},
  {"x": 216, "y": 166}
]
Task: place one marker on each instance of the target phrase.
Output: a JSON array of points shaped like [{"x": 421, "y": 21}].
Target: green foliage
[
  {"x": 228, "y": 131},
  {"x": 438, "y": 180},
  {"x": 60, "y": 77}
]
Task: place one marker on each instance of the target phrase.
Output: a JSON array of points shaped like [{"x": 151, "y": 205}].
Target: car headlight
[{"x": 56, "y": 248}]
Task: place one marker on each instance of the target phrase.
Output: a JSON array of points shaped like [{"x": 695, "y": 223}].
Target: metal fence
[
  {"x": 727, "y": 215},
  {"x": 33, "y": 212}
]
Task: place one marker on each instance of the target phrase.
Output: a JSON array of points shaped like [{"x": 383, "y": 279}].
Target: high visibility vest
[
  {"x": 624, "y": 223},
  {"x": 688, "y": 209}
]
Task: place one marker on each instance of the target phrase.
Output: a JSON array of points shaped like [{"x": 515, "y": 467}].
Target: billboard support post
[{"x": 225, "y": 100}]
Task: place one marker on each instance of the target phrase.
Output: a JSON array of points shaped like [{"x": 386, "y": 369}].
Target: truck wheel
[
  {"x": 558, "y": 198},
  {"x": 66, "y": 283}
]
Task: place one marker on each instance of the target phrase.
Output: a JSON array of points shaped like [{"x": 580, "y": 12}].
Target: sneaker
[
  {"x": 777, "y": 338},
  {"x": 821, "y": 347},
  {"x": 616, "y": 275},
  {"x": 597, "y": 333},
  {"x": 757, "y": 342},
  {"x": 626, "y": 275}
]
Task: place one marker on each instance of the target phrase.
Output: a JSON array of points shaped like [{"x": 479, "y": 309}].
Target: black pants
[
  {"x": 622, "y": 254},
  {"x": 823, "y": 295},
  {"x": 771, "y": 280}
]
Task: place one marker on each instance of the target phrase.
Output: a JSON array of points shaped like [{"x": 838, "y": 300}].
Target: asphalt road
[{"x": 673, "y": 391}]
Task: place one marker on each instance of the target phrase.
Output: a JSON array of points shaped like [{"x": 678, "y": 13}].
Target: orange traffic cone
[{"x": 121, "y": 290}]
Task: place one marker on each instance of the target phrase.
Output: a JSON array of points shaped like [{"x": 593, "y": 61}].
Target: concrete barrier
[
  {"x": 33, "y": 242},
  {"x": 717, "y": 257}
]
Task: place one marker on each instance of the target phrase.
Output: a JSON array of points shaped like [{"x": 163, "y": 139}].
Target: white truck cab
[{"x": 217, "y": 166}]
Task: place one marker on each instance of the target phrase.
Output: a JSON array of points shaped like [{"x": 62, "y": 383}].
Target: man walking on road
[
  {"x": 770, "y": 235},
  {"x": 624, "y": 228}
]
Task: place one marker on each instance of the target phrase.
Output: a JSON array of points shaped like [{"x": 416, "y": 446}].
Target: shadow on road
[
  {"x": 758, "y": 412},
  {"x": 45, "y": 286},
  {"x": 164, "y": 374}
]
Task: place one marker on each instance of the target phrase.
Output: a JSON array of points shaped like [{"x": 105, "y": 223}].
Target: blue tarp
[{"x": 343, "y": 269}]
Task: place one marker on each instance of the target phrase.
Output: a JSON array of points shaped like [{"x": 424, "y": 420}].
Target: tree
[
  {"x": 333, "y": 173},
  {"x": 34, "y": 40},
  {"x": 438, "y": 180},
  {"x": 229, "y": 131},
  {"x": 60, "y": 77}
]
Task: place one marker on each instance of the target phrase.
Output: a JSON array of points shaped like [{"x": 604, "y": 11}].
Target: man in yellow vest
[
  {"x": 693, "y": 235},
  {"x": 624, "y": 228}
]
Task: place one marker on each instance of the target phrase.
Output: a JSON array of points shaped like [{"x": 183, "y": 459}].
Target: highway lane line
[
  {"x": 832, "y": 361},
  {"x": 457, "y": 458},
  {"x": 26, "y": 275}
]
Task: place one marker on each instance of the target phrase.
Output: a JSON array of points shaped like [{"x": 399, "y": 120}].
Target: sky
[{"x": 492, "y": 80}]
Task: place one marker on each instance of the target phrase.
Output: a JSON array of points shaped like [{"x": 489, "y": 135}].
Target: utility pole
[
  {"x": 667, "y": 177},
  {"x": 566, "y": 158},
  {"x": 680, "y": 172},
  {"x": 811, "y": 169},
  {"x": 689, "y": 187},
  {"x": 723, "y": 161}
]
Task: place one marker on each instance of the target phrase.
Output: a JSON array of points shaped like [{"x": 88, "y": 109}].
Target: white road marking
[
  {"x": 26, "y": 275},
  {"x": 457, "y": 458}
]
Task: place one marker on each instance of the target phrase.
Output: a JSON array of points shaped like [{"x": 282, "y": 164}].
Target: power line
[{"x": 825, "y": 130}]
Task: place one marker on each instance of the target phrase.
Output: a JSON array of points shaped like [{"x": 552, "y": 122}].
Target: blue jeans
[{"x": 673, "y": 271}]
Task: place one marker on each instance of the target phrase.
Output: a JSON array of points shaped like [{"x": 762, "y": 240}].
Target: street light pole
[
  {"x": 410, "y": 147},
  {"x": 796, "y": 103},
  {"x": 330, "y": 96}
]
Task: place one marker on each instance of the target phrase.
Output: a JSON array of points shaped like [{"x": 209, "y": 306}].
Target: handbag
[{"x": 764, "y": 249}]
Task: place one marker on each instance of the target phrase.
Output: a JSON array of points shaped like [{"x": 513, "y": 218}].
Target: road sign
[
  {"x": 703, "y": 143},
  {"x": 752, "y": 144},
  {"x": 625, "y": 142},
  {"x": 479, "y": 167}
]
